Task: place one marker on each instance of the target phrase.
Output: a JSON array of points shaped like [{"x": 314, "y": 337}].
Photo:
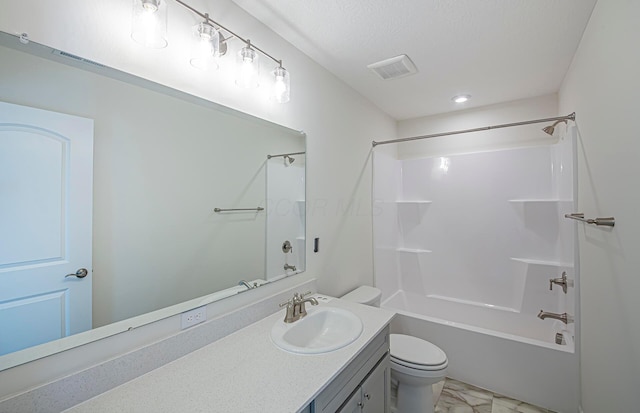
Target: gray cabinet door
[
  {"x": 373, "y": 395},
  {"x": 353, "y": 403},
  {"x": 375, "y": 390}
]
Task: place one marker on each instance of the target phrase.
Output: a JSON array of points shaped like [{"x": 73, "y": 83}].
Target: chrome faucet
[
  {"x": 564, "y": 317},
  {"x": 560, "y": 281},
  {"x": 249, "y": 286},
  {"x": 295, "y": 307},
  {"x": 289, "y": 267}
]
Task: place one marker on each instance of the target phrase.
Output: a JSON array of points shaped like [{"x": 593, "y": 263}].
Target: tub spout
[
  {"x": 249, "y": 286},
  {"x": 564, "y": 317}
]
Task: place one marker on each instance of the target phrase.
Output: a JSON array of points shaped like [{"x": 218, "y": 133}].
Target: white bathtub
[{"x": 501, "y": 351}]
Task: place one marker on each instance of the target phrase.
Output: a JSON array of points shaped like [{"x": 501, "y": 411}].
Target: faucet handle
[{"x": 286, "y": 303}]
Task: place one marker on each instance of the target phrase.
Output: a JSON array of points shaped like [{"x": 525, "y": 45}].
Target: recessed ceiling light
[{"x": 461, "y": 98}]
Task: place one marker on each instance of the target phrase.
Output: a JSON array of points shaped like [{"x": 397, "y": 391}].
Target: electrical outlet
[{"x": 193, "y": 317}]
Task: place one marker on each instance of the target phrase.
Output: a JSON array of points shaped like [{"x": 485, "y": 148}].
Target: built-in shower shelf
[
  {"x": 383, "y": 201},
  {"x": 413, "y": 250},
  {"x": 539, "y": 200},
  {"x": 413, "y": 202},
  {"x": 543, "y": 262}
]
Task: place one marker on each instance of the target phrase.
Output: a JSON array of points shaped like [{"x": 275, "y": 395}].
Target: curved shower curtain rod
[{"x": 571, "y": 117}]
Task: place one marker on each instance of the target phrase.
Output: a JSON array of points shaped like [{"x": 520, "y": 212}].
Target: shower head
[
  {"x": 550, "y": 129},
  {"x": 289, "y": 158}
]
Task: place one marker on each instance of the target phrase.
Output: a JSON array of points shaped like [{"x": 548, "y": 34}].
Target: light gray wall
[{"x": 602, "y": 86}]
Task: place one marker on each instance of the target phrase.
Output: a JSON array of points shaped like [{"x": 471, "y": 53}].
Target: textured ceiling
[{"x": 494, "y": 50}]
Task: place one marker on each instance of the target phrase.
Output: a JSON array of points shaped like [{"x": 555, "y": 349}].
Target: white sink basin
[{"x": 324, "y": 329}]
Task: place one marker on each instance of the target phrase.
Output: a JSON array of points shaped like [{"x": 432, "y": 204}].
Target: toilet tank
[{"x": 364, "y": 295}]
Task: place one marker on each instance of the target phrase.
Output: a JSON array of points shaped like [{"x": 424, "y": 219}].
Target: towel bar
[{"x": 237, "y": 209}]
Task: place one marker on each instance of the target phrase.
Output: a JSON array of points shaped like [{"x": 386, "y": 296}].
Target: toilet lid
[{"x": 416, "y": 351}]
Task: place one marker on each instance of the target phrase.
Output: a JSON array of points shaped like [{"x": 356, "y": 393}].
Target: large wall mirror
[{"x": 189, "y": 199}]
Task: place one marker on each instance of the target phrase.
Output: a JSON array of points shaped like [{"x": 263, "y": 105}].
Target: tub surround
[
  {"x": 465, "y": 246},
  {"x": 243, "y": 371}
]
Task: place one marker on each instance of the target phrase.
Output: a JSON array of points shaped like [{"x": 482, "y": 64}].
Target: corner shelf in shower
[
  {"x": 538, "y": 200},
  {"x": 413, "y": 250},
  {"x": 380, "y": 201},
  {"x": 543, "y": 262},
  {"x": 413, "y": 202}
]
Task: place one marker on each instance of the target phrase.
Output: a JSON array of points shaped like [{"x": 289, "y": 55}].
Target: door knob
[{"x": 81, "y": 273}]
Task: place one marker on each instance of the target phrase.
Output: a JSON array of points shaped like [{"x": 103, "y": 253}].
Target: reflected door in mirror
[{"x": 46, "y": 175}]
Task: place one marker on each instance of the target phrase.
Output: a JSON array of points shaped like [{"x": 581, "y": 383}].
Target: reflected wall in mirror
[{"x": 162, "y": 162}]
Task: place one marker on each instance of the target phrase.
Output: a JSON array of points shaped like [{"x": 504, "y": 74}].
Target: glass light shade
[
  {"x": 248, "y": 70},
  {"x": 206, "y": 46},
  {"x": 281, "y": 88},
  {"x": 149, "y": 23}
]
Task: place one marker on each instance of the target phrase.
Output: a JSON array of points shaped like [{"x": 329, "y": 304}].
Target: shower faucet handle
[
  {"x": 286, "y": 247},
  {"x": 562, "y": 281}
]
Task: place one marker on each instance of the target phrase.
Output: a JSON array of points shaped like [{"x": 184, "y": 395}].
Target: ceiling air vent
[{"x": 394, "y": 68}]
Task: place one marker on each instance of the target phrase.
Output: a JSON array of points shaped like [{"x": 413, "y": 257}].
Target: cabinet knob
[{"x": 367, "y": 396}]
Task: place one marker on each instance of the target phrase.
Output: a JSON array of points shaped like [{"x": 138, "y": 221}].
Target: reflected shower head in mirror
[
  {"x": 550, "y": 129},
  {"x": 288, "y": 158}
]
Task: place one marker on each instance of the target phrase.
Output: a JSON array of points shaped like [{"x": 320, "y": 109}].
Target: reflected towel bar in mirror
[
  {"x": 237, "y": 209},
  {"x": 609, "y": 222}
]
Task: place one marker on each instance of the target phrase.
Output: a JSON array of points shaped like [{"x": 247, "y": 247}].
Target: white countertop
[{"x": 241, "y": 373}]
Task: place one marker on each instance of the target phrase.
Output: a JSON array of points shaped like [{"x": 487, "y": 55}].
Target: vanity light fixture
[
  {"x": 149, "y": 28},
  {"x": 461, "y": 98}
]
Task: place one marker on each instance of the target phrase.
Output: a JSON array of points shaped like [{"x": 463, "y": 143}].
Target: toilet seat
[
  {"x": 414, "y": 353},
  {"x": 434, "y": 375},
  {"x": 420, "y": 367}
]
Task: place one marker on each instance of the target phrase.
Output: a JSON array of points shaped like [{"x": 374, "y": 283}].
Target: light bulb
[
  {"x": 281, "y": 85},
  {"x": 149, "y": 23},
  {"x": 205, "y": 48},
  {"x": 248, "y": 68}
]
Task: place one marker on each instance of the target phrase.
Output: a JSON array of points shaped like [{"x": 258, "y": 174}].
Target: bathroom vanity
[{"x": 246, "y": 372}]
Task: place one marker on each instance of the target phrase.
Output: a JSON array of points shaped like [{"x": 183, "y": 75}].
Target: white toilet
[{"x": 416, "y": 364}]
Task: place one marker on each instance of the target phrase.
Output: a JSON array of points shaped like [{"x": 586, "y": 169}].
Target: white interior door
[{"x": 46, "y": 184}]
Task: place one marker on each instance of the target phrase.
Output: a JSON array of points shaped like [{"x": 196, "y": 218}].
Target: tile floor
[{"x": 452, "y": 396}]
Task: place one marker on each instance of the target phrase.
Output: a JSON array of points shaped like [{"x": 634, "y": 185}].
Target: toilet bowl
[{"x": 416, "y": 364}]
